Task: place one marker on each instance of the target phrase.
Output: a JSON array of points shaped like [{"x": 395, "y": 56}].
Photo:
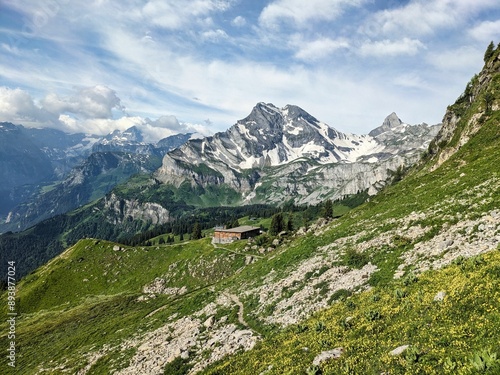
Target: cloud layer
[{"x": 87, "y": 110}]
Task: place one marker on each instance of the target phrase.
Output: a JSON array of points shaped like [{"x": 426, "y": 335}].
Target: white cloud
[
  {"x": 316, "y": 49},
  {"x": 387, "y": 47},
  {"x": 148, "y": 51},
  {"x": 411, "y": 80},
  {"x": 424, "y": 17},
  {"x": 89, "y": 102},
  {"x": 239, "y": 21},
  {"x": 303, "y": 13},
  {"x": 486, "y": 31},
  {"x": 17, "y": 106},
  {"x": 175, "y": 14},
  {"x": 464, "y": 59},
  {"x": 214, "y": 35},
  {"x": 152, "y": 130}
]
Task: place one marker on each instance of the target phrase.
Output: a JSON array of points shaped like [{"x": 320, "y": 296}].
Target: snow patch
[{"x": 244, "y": 131}]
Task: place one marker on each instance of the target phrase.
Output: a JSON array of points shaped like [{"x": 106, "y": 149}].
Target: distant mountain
[
  {"x": 98, "y": 175},
  {"x": 132, "y": 141},
  {"x": 46, "y": 172},
  {"x": 32, "y": 156},
  {"x": 276, "y": 155}
]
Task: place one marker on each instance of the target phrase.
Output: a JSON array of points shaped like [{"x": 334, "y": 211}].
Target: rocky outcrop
[
  {"x": 458, "y": 129},
  {"x": 118, "y": 210},
  {"x": 200, "y": 340}
]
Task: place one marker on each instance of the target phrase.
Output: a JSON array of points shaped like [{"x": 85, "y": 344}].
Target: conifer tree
[
  {"x": 196, "y": 231},
  {"x": 327, "y": 211},
  {"x": 289, "y": 224},
  {"x": 277, "y": 224},
  {"x": 489, "y": 51},
  {"x": 235, "y": 223}
]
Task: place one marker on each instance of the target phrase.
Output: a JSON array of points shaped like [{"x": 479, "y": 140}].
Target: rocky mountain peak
[
  {"x": 392, "y": 121},
  {"x": 294, "y": 112},
  {"x": 132, "y": 134},
  {"x": 263, "y": 116}
]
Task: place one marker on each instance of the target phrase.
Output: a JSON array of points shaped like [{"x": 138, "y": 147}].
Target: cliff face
[
  {"x": 465, "y": 117},
  {"x": 117, "y": 211}
]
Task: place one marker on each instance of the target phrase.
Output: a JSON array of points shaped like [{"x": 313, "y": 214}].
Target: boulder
[
  {"x": 399, "y": 350},
  {"x": 326, "y": 355}
]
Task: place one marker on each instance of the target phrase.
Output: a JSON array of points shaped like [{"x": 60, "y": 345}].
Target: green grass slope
[{"x": 444, "y": 336}]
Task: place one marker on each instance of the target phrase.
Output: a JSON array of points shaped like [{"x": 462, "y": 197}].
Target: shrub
[
  {"x": 485, "y": 362},
  {"x": 410, "y": 279},
  {"x": 400, "y": 293},
  {"x": 178, "y": 366},
  {"x": 301, "y": 328},
  {"x": 346, "y": 324},
  {"x": 373, "y": 315},
  {"x": 355, "y": 259},
  {"x": 340, "y": 295},
  {"x": 412, "y": 355},
  {"x": 320, "y": 327}
]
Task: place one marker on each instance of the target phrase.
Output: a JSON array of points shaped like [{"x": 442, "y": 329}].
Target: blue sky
[{"x": 200, "y": 65}]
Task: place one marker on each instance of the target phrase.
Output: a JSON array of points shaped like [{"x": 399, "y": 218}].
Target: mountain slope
[
  {"x": 425, "y": 246},
  {"x": 272, "y": 144}
]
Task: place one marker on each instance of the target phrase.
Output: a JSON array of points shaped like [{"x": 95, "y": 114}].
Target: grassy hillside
[
  {"x": 418, "y": 265},
  {"x": 449, "y": 319}
]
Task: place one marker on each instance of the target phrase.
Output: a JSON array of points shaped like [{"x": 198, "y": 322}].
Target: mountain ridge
[{"x": 271, "y": 137}]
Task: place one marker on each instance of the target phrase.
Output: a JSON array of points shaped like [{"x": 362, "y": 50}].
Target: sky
[{"x": 175, "y": 66}]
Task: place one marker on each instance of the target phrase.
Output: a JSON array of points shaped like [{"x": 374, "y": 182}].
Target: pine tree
[
  {"x": 196, "y": 231},
  {"x": 489, "y": 51},
  {"x": 289, "y": 224},
  {"x": 161, "y": 241},
  {"x": 181, "y": 237},
  {"x": 327, "y": 211},
  {"x": 277, "y": 224}
]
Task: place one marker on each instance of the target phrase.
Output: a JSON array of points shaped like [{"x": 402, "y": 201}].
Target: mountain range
[
  {"x": 278, "y": 155},
  {"x": 48, "y": 172},
  {"x": 273, "y": 156}
]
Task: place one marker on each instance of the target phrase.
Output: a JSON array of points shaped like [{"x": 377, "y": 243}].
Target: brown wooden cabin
[{"x": 239, "y": 233}]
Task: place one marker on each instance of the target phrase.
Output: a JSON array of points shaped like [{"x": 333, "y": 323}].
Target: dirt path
[{"x": 237, "y": 301}]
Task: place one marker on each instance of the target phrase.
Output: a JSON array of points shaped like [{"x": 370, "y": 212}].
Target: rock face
[
  {"x": 326, "y": 355},
  {"x": 278, "y": 153},
  {"x": 118, "y": 210},
  {"x": 442, "y": 146},
  {"x": 391, "y": 122}
]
